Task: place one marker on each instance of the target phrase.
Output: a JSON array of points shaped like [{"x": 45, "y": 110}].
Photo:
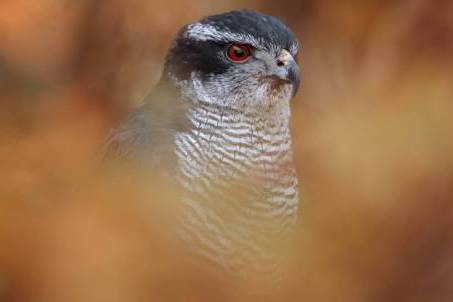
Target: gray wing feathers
[
  {"x": 125, "y": 144},
  {"x": 141, "y": 138},
  {"x": 148, "y": 133}
]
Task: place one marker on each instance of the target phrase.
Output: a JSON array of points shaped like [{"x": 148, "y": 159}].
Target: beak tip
[{"x": 294, "y": 76}]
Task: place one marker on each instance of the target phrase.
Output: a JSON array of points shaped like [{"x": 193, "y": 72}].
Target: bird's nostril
[{"x": 280, "y": 63}]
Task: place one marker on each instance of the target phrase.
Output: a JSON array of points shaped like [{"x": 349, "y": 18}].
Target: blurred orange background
[{"x": 373, "y": 140}]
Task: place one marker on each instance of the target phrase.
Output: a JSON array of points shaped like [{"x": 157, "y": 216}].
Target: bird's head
[{"x": 241, "y": 59}]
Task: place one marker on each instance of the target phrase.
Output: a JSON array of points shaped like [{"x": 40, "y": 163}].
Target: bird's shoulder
[
  {"x": 136, "y": 136},
  {"x": 147, "y": 133}
]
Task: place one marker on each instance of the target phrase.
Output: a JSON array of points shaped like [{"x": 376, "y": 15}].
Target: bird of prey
[{"x": 218, "y": 123}]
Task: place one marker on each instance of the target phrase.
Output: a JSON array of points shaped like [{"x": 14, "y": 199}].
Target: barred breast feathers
[{"x": 236, "y": 168}]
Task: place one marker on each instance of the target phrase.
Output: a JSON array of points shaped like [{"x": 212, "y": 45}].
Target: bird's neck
[{"x": 266, "y": 118}]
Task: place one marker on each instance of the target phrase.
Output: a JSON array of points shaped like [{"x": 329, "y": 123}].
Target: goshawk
[{"x": 218, "y": 122}]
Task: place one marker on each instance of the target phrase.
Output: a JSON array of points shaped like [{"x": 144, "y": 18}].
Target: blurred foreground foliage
[{"x": 373, "y": 139}]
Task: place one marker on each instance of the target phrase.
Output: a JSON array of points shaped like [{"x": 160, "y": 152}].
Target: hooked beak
[{"x": 287, "y": 69}]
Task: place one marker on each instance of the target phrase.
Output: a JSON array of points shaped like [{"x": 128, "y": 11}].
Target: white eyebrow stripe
[{"x": 207, "y": 32}]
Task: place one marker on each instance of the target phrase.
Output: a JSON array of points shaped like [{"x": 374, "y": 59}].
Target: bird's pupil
[{"x": 239, "y": 52}]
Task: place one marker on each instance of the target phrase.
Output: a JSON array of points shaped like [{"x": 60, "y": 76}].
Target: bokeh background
[{"x": 373, "y": 140}]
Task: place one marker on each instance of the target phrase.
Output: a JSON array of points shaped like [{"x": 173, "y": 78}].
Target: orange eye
[{"x": 239, "y": 52}]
